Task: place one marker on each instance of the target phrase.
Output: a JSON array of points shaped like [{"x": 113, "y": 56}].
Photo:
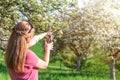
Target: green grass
[
  {"x": 53, "y": 72},
  {"x": 3, "y": 72},
  {"x": 38, "y": 49},
  {"x": 57, "y": 74}
]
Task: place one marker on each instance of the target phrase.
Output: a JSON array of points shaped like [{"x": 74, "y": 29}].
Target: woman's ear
[{"x": 29, "y": 36}]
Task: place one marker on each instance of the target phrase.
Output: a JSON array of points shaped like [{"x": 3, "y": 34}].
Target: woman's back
[{"x": 30, "y": 72}]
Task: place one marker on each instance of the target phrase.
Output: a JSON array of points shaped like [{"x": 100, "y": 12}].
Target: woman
[{"x": 22, "y": 63}]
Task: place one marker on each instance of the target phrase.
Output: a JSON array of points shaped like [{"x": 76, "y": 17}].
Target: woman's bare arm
[
  {"x": 42, "y": 64},
  {"x": 37, "y": 38}
]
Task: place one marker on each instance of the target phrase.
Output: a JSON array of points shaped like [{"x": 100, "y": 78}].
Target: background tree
[
  {"x": 79, "y": 37},
  {"x": 101, "y": 18},
  {"x": 104, "y": 17},
  {"x": 43, "y": 14},
  {"x": 36, "y": 11}
]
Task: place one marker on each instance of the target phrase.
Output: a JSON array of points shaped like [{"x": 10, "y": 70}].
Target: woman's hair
[{"x": 17, "y": 46}]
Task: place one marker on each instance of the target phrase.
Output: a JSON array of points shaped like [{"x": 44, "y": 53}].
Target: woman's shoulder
[
  {"x": 31, "y": 57},
  {"x": 30, "y": 53}
]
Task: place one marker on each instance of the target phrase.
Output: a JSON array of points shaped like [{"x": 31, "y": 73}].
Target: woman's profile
[{"x": 21, "y": 62}]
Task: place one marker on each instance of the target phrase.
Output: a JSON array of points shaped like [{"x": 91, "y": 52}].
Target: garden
[{"x": 86, "y": 38}]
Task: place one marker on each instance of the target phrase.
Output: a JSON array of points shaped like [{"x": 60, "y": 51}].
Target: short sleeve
[{"x": 31, "y": 58}]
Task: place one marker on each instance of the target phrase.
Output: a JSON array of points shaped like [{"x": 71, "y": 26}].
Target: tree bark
[
  {"x": 78, "y": 63},
  {"x": 112, "y": 69},
  {"x": 60, "y": 65}
]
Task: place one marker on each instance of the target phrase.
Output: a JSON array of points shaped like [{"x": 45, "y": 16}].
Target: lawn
[
  {"x": 53, "y": 72},
  {"x": 57, "y": 74}
]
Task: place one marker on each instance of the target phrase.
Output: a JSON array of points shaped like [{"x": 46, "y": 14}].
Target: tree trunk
[
  {"x": 78, "y": 63},
  {"x": 112, "y": 69},
  {"x": 60, "y": 65}
]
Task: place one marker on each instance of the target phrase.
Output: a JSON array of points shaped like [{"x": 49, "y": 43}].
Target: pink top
[{"x": 30, "y": 72}]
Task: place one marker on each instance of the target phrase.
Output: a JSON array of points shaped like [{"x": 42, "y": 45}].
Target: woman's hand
[
  {"x": 50, "y": 32},
  {"x": 48, "y": 45}
]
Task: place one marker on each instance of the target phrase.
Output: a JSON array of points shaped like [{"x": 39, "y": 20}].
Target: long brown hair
[{"x": 17, "y": 46}]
